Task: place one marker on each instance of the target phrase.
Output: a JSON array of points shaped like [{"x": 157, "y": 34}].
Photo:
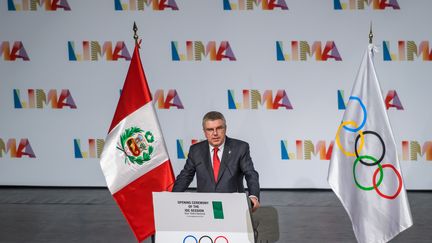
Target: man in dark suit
[{"x": 220, "y": 163}]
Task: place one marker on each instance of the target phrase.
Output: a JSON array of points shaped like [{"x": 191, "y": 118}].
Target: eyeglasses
[{"x": 217, "y": 129}]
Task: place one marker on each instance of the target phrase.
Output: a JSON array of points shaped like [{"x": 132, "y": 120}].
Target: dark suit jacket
[{"x": 236, "y": 164}]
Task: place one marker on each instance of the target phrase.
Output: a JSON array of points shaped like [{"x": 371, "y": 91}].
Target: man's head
[{"x": 214, "y": 126}]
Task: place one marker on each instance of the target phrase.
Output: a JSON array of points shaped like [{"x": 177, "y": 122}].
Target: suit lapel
[{"x": 225, "y": 158}]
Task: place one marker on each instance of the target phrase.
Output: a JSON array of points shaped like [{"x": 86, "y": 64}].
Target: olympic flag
[
  {"x": 364, "y": 170},
  {"x": 134, "y": 160}
]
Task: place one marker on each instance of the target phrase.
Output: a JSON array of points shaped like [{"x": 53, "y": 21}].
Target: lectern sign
[
  {"x": 202, "y": 217},
  {"x": 198, "y": 208}
]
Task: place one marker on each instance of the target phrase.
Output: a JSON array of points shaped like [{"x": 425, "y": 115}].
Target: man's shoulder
[
  {"x": 235, "y": 142},
  {"x": 201, "y": 144}
]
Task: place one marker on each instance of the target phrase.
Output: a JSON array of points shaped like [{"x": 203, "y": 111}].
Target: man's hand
[{"x": 255, "y": 203}]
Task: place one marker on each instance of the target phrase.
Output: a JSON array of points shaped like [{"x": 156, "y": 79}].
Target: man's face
[{"x": 215, "y": 132}]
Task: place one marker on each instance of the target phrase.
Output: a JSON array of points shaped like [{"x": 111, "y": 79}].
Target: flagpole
[{"x": 135, "y": 36}]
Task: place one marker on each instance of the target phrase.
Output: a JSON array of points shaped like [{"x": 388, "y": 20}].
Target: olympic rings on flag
[
  {"x": 364, "y": 115},
  {"x": 216, "y": 240},
  {"x": 343, "y": 124},
  {"x": 361, "y": 136},
  {"x": 383, "y": 148},
  {"x": 399, "y": 180},
  {"x": 379, "y": 169}
]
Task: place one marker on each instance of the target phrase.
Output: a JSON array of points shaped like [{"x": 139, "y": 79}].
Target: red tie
[{"x": 216, "y": 163}]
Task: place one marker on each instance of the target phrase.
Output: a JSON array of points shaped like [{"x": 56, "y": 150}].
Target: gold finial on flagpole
[
  {"x": 135, "y": 29},
  {"x": 370, "y": 34}
]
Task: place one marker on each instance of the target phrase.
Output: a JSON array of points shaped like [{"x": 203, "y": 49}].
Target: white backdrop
[{"x": 60, "y": 144}]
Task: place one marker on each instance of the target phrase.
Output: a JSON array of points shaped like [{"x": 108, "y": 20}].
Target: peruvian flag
[{"x": 134, "y": 160}]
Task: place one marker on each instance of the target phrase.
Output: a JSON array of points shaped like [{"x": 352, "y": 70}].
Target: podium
[{"x": 202, "y": 217}]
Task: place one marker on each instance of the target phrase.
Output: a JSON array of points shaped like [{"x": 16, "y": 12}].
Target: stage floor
[{"x": 33, "y": 214}]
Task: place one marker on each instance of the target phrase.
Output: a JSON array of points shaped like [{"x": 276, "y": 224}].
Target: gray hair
[{"x": 213, "y": 115}]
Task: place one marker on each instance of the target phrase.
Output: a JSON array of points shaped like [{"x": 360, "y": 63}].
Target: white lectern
[{"x": 202, "y": 218}]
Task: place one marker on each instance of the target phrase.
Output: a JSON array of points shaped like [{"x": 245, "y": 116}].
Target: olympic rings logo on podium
[
  {"x": 351, "y": 126},
  {"x": 205, "y": 239}
]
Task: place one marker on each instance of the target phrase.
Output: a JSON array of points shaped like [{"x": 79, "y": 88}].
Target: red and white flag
[
  {"x": 135, "y": 160},
  {"x": 364, "y": 169}
]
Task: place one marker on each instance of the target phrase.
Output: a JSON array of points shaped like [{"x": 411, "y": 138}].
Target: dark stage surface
[{"x": 33, "y": 214}]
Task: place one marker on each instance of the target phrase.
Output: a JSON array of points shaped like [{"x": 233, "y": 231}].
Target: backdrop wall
[{"x": 280, "y": 70}]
